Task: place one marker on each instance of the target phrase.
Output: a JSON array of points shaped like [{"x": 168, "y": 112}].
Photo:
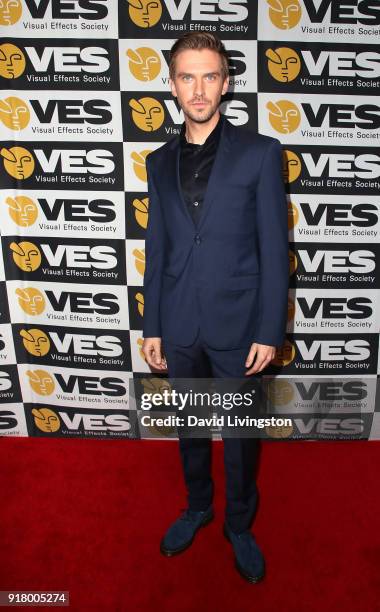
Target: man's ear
[
  {"x": 225, "y": 86},
  {"x": 172, "y": 87}
]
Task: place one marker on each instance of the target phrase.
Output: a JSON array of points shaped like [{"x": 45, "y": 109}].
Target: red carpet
[{"x": 87, "y": 515}]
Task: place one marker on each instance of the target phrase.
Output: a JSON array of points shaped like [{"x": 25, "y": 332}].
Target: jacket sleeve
[
  {"x": 154, "y": 259},
  {"x": 272, "y": 233}
]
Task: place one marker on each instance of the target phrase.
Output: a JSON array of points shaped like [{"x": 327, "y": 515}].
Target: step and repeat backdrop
[{"x": 85, "y": 98}]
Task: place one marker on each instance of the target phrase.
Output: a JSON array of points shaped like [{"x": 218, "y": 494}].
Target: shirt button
[
  {"x": 197, "y": 239},
  {"x": 196, "y": 175},
  {"x": 195, "y": 203}
]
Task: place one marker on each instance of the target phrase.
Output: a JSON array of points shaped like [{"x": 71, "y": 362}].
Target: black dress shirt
[{"x": 195, "y": 165}]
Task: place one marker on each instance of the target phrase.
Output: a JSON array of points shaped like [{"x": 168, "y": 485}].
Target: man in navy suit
[{"x": 216, "y": 277}]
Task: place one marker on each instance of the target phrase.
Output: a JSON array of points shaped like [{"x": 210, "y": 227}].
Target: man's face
[{"x": 198, "y": 83}]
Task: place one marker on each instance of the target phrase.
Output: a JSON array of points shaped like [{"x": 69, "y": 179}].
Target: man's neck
[{"x": 197, "y": 133}]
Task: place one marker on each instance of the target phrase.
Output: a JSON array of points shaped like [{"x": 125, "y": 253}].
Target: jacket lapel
[{"x": 219, "y": 169}]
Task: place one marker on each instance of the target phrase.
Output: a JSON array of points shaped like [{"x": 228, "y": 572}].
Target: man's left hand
[{"x": 261, "y": 355}]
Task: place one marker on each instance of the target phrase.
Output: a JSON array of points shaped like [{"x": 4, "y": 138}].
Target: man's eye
[
  {"x": 186, "y": 77},
  {"x": 211, "y": 77}
]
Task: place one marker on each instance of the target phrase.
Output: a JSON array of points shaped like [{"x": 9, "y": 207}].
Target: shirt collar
[{"x": 212, "y": 137}]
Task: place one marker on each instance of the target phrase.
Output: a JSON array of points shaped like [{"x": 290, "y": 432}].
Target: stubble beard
[{"x": 203, "y": 116}]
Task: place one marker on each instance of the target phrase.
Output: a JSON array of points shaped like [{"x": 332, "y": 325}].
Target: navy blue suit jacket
[{"x": 230, "y": 274}]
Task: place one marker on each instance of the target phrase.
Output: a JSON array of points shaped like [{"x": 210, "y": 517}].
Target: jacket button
[
  {"x": 197, "y": 239},
  {"x": 195, "y": 203}
]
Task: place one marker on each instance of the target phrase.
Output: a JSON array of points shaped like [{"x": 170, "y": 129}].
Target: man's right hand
[{"x": 153, "y": 353}]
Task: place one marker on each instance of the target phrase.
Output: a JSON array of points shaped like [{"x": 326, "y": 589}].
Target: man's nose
[{"x": 198, "y": 87}]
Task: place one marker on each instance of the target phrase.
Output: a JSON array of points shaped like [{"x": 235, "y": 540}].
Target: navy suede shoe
[
  {"x": 181, "y": 533},
  {"x": 249, "y": 559}
]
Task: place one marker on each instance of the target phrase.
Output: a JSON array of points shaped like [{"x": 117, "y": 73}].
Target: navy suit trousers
[{"x": 240, "y": 454}]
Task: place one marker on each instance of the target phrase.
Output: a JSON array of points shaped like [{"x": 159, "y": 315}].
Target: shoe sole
[
  {"x": 242, "y": 572},
  {"x": 167, "y": 552}
]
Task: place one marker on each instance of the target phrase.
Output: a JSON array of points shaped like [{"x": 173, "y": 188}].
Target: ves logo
[
  {"x": 41, "y": 382},
  {"x": 284, "y": 116},
  {"x": 144, "y": 63},
  {"x": 26, "y": 256},
  {"x": 139, "y": 164},
  {"x": 284, "y": 64},
  {"x": 291, "y": 166},
  {"x": 284, "y": 14},
  {"x": 14, "y": 113},
  {"x": 10, "y": 12},
  {"x": 35, "y": 341},
  {"x": 18, "y": 162},
  {"x": 285, "y": 354},
  {"x": 147, "y": 113},
  {"x": 22, "y": 210},
  {"x": 139, "y": 260},
  {"x": 12, "y": 61},
  {"x": 46, "y": 420},
  {"x": 145, "y": 13},
  {"x": 31, "y": 300},
  {"x": 141, "y": 207}
]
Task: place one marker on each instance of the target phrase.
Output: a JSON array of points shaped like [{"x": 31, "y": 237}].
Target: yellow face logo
[
  {"x": 18, "y": 162},
  {"x": 139, "y": 260},
  {"x": 46, "y": 420},
  {"x": 155, "y": 385},
  {"x": 284, "y": 116},
  {"x": 35, "y": 342},
  {"x": 284, "y": 64},
  {"x": 141, "y": 211},
  {"x": 279, "y": 431},
  {"x": 279, "y": 392},
  {"x": 147, "y": 113},
  {"x": 293, "y": 263},
  {"x": 139, "y": 164},
  {"x": 41, "y": 382},
  {"x": 293, "y": 215},
  {"x": 285, "y": 354},
  {"x": 162, "y": 430},
  {"x": 144, "y": 63},
  {"x": 291, "y": 309},
  {"x": 22, "y": 210},
  {"x": 26, "y": 256},
  {"x": 14, "y": 113},
  {"x": 31, "y": 300},
  {"x": 152, "y": 386},
  {"x": 140, "y": 303},
  {"x": 10, "y": 11},
  {"x": 139, "y": 344},
  {"x": 12, "y": 61},
  {"x": 291, "y": 166},
  {"x": 145, "y": 13},
  {"x": 284, "y": 14}
]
